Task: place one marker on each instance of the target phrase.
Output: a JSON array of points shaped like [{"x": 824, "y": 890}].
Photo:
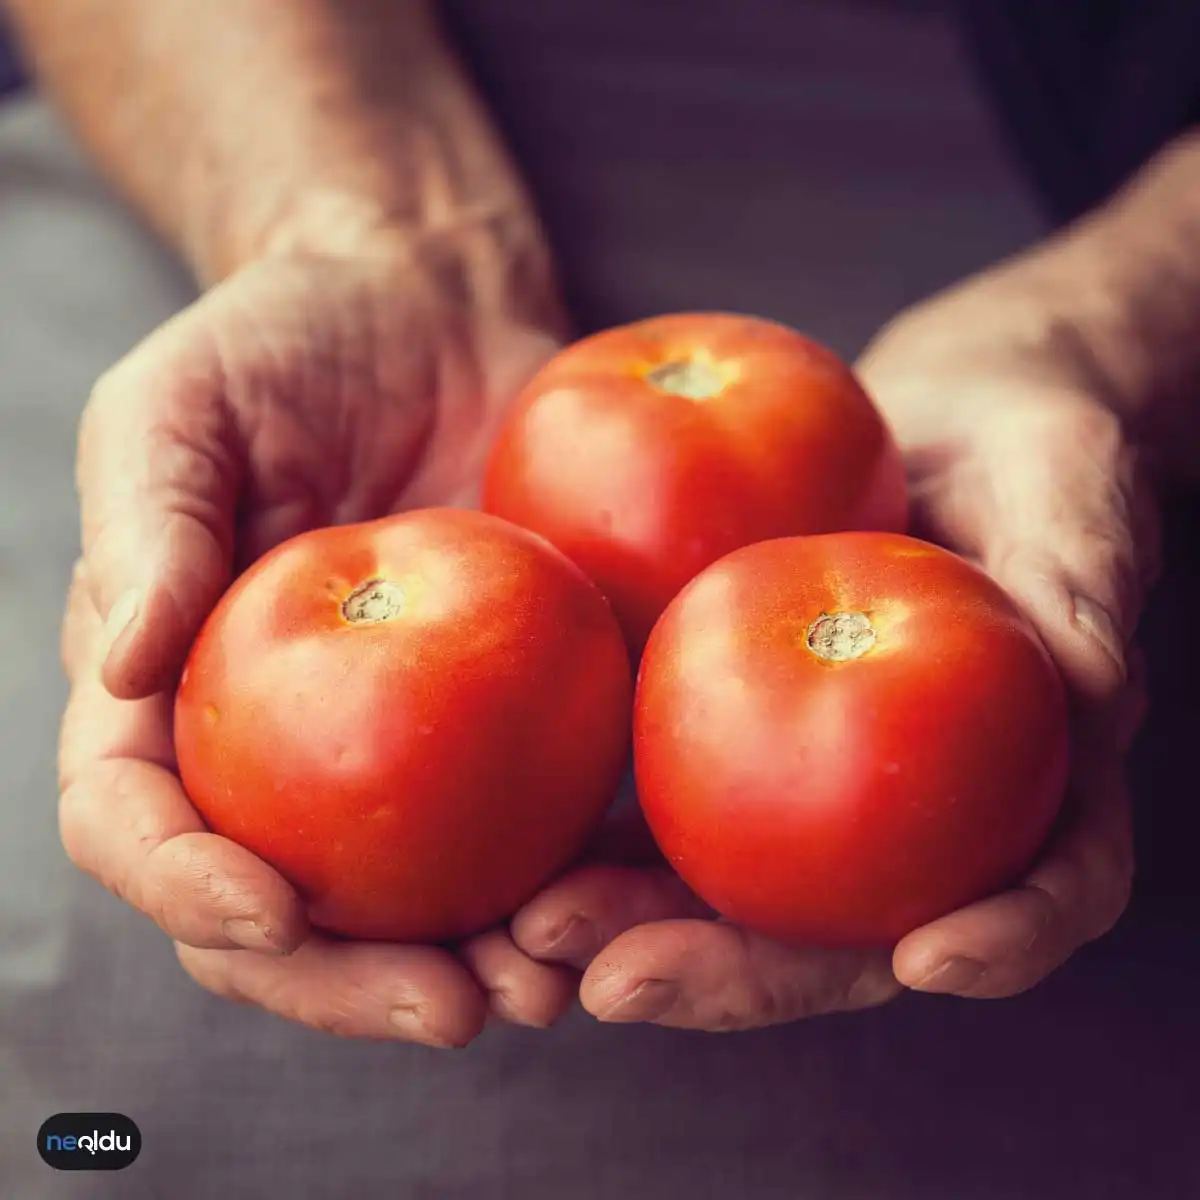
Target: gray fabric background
[{"x": 820, "y": 163}]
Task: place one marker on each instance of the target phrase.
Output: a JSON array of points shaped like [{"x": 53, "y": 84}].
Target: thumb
[
  {"x": 1069, "y": 531},
  {"x": 157, "y": 481}
]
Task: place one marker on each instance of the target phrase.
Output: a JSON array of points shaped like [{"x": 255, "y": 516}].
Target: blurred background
[{"x": 824, "y": 163}]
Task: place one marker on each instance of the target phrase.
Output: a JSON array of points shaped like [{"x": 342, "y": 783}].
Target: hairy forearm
[
  {"x": 246, "y": 127},
  {"x": 1129, "y": 274}
]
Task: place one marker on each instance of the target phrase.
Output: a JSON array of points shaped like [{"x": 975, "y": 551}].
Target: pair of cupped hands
[{"x": 306, "y": 390}]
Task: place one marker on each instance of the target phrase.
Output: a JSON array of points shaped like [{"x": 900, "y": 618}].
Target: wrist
[
  {"x": 492, "y": 259},
  {"x": 1125, "y": 283},
  {"x": 367, "y": 137}
]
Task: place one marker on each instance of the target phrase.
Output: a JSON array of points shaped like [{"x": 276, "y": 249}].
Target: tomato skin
[
  {"x": 415, "y": 779},
  {"x": 644, "y": 488},
  {"x": 846, "y": 803}
]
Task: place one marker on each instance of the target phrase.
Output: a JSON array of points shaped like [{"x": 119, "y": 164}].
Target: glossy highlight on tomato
[
  {"x": 648, "y": 451},
  {"x": 417, "y": 720},
  {"x": 840, "y": 738}
]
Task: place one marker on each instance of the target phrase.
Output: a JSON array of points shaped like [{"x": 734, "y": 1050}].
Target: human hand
[
  {"x": 302, "y": 391},
  {"x": 1017, "y": 461}
]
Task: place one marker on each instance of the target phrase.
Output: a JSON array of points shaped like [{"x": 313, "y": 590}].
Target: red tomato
[
  {"x": 417, "y": 720},
  {"x": 838, "y": 739},
  {"x": 647, "y": 452}
]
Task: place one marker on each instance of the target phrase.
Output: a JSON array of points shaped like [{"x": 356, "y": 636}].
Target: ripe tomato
[
  {"x": 840, "y": 738},
  {"x": 416, "y": 720},
  {"x": 647, "y": 452}
]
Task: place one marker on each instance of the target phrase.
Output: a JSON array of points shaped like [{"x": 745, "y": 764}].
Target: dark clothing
[
  {"x": 823, "y": 163},
  {"x": 1087, "y": 89}
]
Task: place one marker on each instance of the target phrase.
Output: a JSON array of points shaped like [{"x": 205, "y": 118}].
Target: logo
[{"x": 89, "y": 1141}]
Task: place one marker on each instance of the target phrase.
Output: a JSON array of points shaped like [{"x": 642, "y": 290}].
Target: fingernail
[
  {"x": 120, "y": 618},
  {"x": 954, "y": 975},
  {"x": 409, "y": 1022},
  {"x": 577, "y": 939},
  {"x": 250, "y": 935},
  {"x": 646, "y": 1002},
  {"x": 1097, "y": 624}
]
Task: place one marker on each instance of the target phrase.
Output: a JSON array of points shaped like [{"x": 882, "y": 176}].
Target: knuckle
[
  {"x": 795, "y": 1002},
  {"x": 101, "y": 839},
  {"x": 771, "y": 1005},
  {"x": 186, "y": 888},
  {"x": 763, "y": 1002},
  {"x": 730, "y": 1020},
  {"x": 75, "y": 826},
  {"x": 75, "y": 802},
  {"x": 80, "y": 580},
  {"x": 765, "y": 996},
  {"x": 344, "y": 1008},
  {"x": 167, "y": 898},
  {"x": 183, "y": 867},
  {"x": 339, "y": 1020}
]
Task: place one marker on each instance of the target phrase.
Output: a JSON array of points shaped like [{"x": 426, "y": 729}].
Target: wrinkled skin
[
  {"x": 298, "y": 393},
  {"x": 308, "y": 391},
  {"x": 1017, "y": 461}
]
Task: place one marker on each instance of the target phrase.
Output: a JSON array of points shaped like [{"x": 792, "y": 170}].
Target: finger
[
  {"x": 157, "y": 477},
  {"x": 716, "y": 976},
  {"x": 128, "y": 824},
  {"x": 125, "y": 820},
  {"x": 352, "y": 989},
  {"x": 518, "y": 989},
  {"x": 575, "y": 917},
  {"x": 1006, "y": 944},
  {"x": 1070, "y": 535},
  {"x": 97, "y": 729},
  {"x": 1079, "y": 629}
]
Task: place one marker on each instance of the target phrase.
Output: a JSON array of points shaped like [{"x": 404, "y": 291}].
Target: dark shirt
[{"x": 1087, "y": 89}]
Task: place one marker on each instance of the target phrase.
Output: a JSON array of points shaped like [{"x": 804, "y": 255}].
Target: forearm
[
  {"x": 246, "y": 127},
  {"x": 1129, "y": 276}
]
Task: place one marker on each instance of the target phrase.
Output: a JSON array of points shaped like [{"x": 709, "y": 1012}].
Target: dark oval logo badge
[{"x": 89, "y": 1141}]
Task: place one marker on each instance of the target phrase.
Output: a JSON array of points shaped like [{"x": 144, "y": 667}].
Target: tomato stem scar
[
  {"x": 372, "y": 602},
  {"x": 840, "y": 636},
  {"x": 690, "y": 378}
]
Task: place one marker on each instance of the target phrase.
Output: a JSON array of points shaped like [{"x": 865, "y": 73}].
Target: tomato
[
  {"x": 838, "y": 739},
  {"x": 648, "y": 451},
  {"x": 416, "y": 720}
]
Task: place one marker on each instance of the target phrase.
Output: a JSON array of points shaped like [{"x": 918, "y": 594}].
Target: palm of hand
[
  {"x": 314, "y": 392},
  {"x": 298, "y": 393},
  {"x": 1016, "y": 463}
]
